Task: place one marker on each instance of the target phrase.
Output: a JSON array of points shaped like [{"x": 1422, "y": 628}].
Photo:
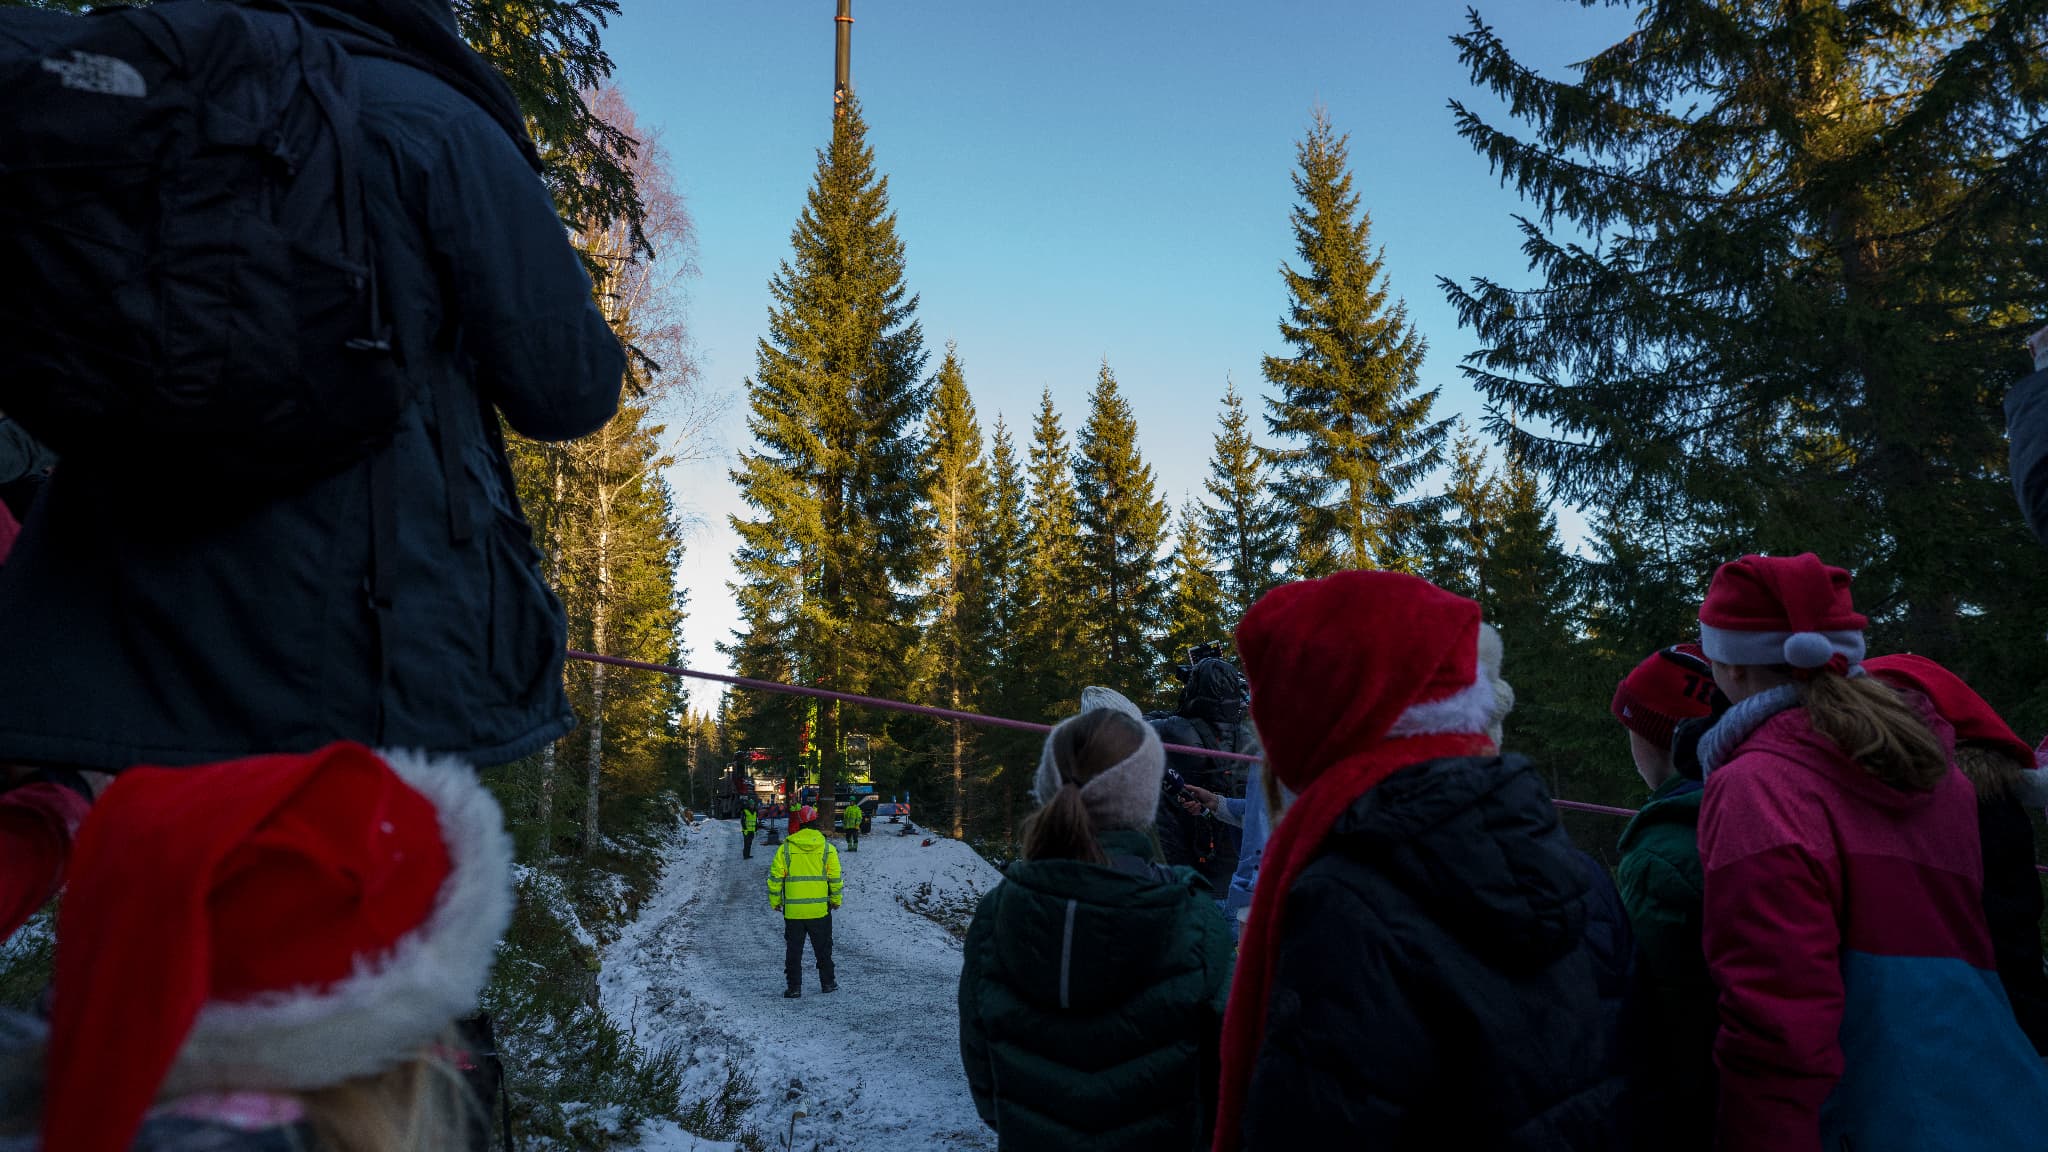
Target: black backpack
[{"x": 188, "y": 290}]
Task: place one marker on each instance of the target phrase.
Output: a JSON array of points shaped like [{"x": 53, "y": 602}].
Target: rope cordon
[
  {"x": 966, "y": 717},
  {"x": 936, "y": 713}
]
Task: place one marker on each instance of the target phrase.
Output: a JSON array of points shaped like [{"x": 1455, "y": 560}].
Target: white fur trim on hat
[
  {"x": 1476, "y": 709},
  {"x": 393, "y": 1005},
  {"x": 1799, "y": 649},
  {"x": 1126, "y": 796}
]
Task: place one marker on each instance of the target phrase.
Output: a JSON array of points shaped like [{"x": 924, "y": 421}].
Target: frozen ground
[{"x": 875, "y": 1065}]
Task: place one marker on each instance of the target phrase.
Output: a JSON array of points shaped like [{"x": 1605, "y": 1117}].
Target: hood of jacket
[
  {"x": 807, "y": 840},
  {"x": 1085, "y": 938},
  {"x": 1476, "y": 843},
  {"x": 1675, "y": 803}
]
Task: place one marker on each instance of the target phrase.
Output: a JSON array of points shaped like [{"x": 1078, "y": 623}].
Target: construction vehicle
[{"x": 751, "y": 778}]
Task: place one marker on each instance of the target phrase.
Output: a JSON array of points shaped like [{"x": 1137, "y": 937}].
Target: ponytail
[
  {"x": 1061, "y": 830},
  {"x": 1081, "y": 749},
  {"x": 1875, "y": 727}
]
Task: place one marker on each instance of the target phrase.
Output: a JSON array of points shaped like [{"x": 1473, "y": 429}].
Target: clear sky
[{"x": 1076, "y": 179}]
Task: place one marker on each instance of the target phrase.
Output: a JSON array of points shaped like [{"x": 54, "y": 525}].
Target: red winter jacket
[
  {"x": 37, "y": 823},
  {"x": 1860, "y": 1005}
]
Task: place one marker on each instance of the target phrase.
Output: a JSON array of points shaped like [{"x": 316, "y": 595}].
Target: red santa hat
[
  {"x": 281, "y": 923},
  {"x": 1969, "y": 714},
  {"x": 1354, "y": 677},
  {"x": 1673, "y": 684},
  {"x": 1766, "y": 610}
]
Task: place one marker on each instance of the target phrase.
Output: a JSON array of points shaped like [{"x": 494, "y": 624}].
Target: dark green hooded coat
[
  {"x": 1091, "y": 1001},
  {"x": 1661, "y": 885}
]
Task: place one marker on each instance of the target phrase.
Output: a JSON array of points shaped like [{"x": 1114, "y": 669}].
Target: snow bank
[{"x": 875, "y": 1065}]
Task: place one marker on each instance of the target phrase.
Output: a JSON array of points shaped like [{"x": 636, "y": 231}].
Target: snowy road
[{"x": 875, "y": 1065}]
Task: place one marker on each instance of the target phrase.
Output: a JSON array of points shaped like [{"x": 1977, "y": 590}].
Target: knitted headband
[{"x": 1125, "y": 796}]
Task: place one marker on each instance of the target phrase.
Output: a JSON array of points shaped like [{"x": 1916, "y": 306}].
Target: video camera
[{"x": 1200, "y": 652}]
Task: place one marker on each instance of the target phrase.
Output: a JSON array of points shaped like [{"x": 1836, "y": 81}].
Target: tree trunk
[
  {"x": 959, "y": 777},
  {"x": 548, "y": 754},
  {"x": 600, "y": 613}
]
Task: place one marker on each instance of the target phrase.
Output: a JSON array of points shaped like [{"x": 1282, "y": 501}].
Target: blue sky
[{"x": 1075, "y": 180}]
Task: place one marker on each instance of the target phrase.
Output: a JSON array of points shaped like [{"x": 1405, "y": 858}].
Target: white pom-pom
[{"x": 1808, "y": 650}]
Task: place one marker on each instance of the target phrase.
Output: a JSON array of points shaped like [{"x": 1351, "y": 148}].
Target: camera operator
[{"x": 1211, "y": 714}]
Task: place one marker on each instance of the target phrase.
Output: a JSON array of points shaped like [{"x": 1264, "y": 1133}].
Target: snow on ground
[{"x": 875, "y": 1065}]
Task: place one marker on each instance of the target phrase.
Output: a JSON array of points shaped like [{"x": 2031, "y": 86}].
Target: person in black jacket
[
  {"x": 1416, "y": 972},
  {"x": 212, "y": 637},
  {"x": 1210, "y": 714},
  {"x": 2026, "y": 426}
]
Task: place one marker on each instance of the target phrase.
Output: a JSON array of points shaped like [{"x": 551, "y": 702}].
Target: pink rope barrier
[
  {"x": 867, "y": 701},
  {"x": 971, "y": 717}
]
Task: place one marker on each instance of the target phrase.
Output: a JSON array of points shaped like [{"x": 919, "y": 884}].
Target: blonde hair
[
  {"x": 422, "y": 1105},
  {"x": 1875, "y": 727}
]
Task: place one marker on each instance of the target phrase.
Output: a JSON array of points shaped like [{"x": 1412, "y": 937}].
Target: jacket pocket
[{"x": 528, "y": 629}]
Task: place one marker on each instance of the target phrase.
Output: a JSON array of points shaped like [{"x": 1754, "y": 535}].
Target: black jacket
[
  {"x": 198, "y": 640},
  {"x": 1436, "y": 987},
  {"x": 2026, "y": 424},
  {"x": 1204, "y": 843},
  {"x": 2012, "y": 911}
]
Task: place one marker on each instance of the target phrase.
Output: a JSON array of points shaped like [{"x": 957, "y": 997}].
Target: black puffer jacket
[
  {"x": 206, "y": 639},
  {"x": 1435, "y": 986}
]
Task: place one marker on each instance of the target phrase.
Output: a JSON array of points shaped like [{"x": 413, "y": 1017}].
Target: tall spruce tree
[
  {"x": 1048, "y": 618},
  {"x": 1008, "y": 758},
  {"x": 828, "y": 560},
  {"x": 1123, "y": 524},
  {"x": 1820, "y": 249},
  {"x": 1245, "y": 530},
  {"x": 1355, "y": 421},
  {"x": 956, "y": 633},
  {"x": 1196, "y": 604}
]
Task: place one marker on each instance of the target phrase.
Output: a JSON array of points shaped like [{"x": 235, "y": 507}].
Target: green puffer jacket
[
  {"x": 1091, "y": 1000},
  {"x": 1661, "y": 885}
]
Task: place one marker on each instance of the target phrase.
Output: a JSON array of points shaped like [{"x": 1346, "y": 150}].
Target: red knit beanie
[
  {"x": 1673, "y": 684},
  {"x": 1767, "y": 610},
  {"x": 281, "y": 923}
]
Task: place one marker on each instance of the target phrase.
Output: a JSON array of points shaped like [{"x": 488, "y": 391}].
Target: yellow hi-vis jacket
[
  {"x": 851, "y": 817},
  {"x": 803, "y": 882},
  {"x": 748, "y": 821}
]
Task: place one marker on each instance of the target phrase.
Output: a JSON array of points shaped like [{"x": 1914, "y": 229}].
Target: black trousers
[
  {"x": 746, "y": 845},
  {"x": 853, "y": 839},
  {"x": 819, "y": 932}
]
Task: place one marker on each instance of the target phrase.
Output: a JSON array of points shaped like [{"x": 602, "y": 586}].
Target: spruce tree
[
  {"x": 1196, "y": 604},
  {"x": 1048, "y": 619},
  {"x": 1460, "y": 545},
  {"x": 1001, "y": 546},
  {"x": 1123, "y": 524},
  {"x": 956, "y": 634},
  {"x": 1008, "y": 758},
  {"x": 1354, "y": 419},
  {"x": 1819, "y": 254},
  {"x": 1244, "y": 528},
  {"x": 828, "y": 558}
]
